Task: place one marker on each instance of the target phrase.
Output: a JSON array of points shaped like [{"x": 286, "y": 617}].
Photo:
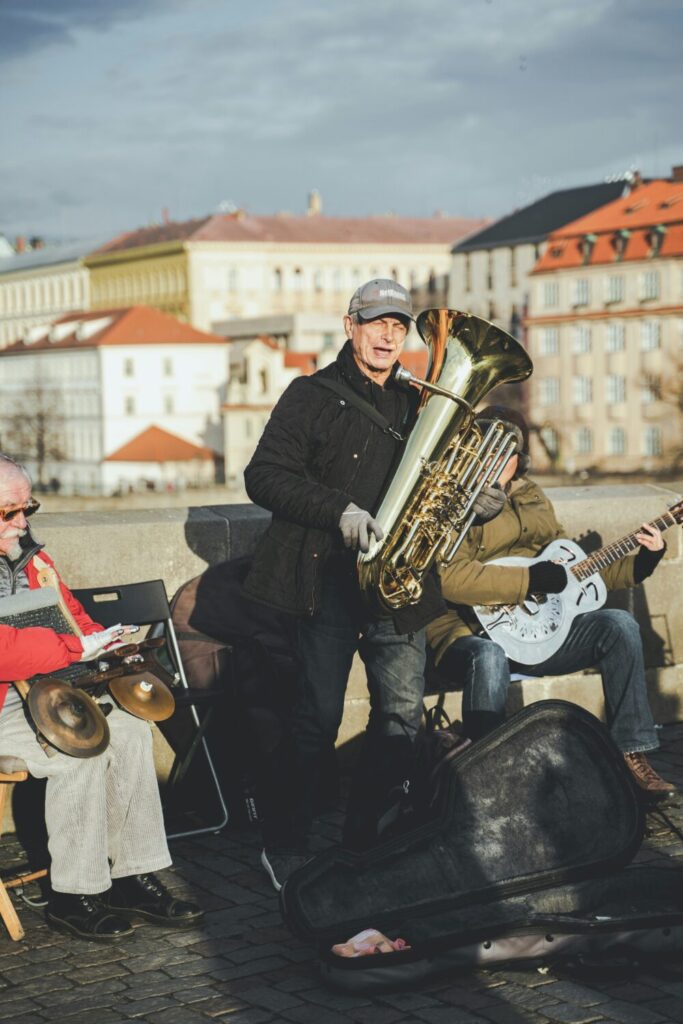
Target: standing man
[
  {"x": 103, "y": 814},
  {"x": 321, "y": 467},
  {"x": 607, "y": 638}
]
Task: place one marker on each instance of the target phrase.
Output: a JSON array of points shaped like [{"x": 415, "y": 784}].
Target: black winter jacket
[{"x": 318, "y": 453}]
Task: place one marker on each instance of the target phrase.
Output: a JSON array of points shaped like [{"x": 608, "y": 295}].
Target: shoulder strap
[{"x": 352, "y": 398}]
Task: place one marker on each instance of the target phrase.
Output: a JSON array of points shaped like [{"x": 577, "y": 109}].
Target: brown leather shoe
[{"x": 650, "y": 784}]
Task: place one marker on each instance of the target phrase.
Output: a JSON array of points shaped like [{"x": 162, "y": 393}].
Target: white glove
[
  {"x": 97, "y": 644},
  {"x": 356, "y": 524}
]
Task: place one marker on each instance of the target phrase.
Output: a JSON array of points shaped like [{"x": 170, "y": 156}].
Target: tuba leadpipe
[{"x": 447, "y": 461}]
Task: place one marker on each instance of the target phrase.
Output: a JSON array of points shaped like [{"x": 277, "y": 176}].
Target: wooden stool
[{"x": 7, "y": 911}]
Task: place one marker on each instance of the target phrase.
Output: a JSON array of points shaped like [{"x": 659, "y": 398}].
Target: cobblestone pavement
[{"x": 242, "y": 966}]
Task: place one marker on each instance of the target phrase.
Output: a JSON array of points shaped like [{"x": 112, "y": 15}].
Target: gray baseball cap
[{"x": 381, "y": 297}]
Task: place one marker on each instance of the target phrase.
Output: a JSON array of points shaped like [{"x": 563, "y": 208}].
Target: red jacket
[{"x": 26, "y": 652}]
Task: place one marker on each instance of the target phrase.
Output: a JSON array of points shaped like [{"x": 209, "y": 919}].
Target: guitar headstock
[{"x": 676, "y": 510}]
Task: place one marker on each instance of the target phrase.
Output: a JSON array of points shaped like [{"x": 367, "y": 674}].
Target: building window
[
  {"x": 582, "y": 338},
  {"x": 651, "y": 390},
  {"x": 489, "y": 270},
  {"x": 468, "y": 272},
  {"x": 650, "y": 335},
  {"x": 581, "y": 292},
  {"x": 551, "y": 294},
  {"x": 616, "y": 337},
  {"x": 277, "y": 280},
  {"x": 649, "y": 285},
  {"x": 513, "y": 268},
  {"x": 233, "y": 279},
  {"x": 551, "y": 440},
  {"x": 550, "y": 341},
  {"x": 614, "y": 288},
  {"x": 615, "y": 389},
  {"x": 298, "y": 280},
  {"x": 129, "y": 405},
  {"x": 337, "y": 280},
  {"x": 549, "y": 391},
  {"x": 616, "y": 441},
  {"x": 263, "y": 381},
  {"x": 652, "y": 441},
  {"x": 582, "y": 390},
  {"x": 128, "y": 368},
  {"x": 355, "y": 277},
  {"x": 584, "y": 441},
  {"x": 169, "y": 405},
  {"x": 167, "y": 367},
  {"x": 318, "y": 281},
  {"x": 492, "y": 310}
]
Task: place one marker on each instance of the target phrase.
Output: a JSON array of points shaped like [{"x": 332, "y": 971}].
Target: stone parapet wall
[
  {"x": 99, "y": 548},
  {"x": 103, "y": 548}
]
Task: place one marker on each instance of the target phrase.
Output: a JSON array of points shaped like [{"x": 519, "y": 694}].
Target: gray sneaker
[{"x": 279, "y": 864}]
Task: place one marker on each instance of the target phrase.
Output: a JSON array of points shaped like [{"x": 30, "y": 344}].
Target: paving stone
[
  {"x": 628, "y": 1013},
  {"x": 313, "y": 1015},
  {"x": 141, "y": 1007},
  {"x": 446, "y": 1015},
  {"x": 174, "y": 1015},
  {"x": 245, "y": 970},
  {"x": 374, "y": 1014},
  {"x": 269, "y": 998},
  {"x": 670, "y": 1008},
  {"x": 407, "y": 1001},
  {"x": 570, "y": 1013},
  {"x": 573, "y": 992}
]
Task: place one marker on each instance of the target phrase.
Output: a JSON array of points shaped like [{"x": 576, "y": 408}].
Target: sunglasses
[{"x": 7, "y": 515}]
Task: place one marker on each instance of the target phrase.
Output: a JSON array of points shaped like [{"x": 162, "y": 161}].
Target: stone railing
[
  {"x": 103, "y": 548},
  {"x": 99, "y": 548}
]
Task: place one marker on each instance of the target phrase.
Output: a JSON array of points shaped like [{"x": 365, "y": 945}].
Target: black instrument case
[{"x": 526, "y": 859}]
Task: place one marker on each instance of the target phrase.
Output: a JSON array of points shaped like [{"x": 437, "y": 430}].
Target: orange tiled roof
[
  {"x": 242, "y": 227},
  {"x": 304, "y": 361},
  {"x": 633, "y": 217},
  {"x": 133, "y": 325},
  {"x": 158, "y": 445}
]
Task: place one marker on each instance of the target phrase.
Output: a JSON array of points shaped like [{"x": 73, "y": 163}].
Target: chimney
[
  {"x": 20, "y": 244},
  {"x": 315, "y": 204},
  {"x": 677, "y": 173}
]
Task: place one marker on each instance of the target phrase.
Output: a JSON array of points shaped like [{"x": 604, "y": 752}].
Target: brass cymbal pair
[{"x": 70, "y": 720}]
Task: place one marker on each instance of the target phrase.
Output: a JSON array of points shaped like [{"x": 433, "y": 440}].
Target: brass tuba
[{"x": 427, "y": 508}]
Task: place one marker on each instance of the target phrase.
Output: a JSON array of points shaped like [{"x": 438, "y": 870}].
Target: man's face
[
  {"x": 376, "y": 344},
  {"x": 15, "y": 492}
]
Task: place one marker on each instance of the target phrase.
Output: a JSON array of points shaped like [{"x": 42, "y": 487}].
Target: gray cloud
[{"x": 472, "y": 107}]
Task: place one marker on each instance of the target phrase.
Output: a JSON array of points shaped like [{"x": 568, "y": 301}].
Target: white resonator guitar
[{"x": 531, "y": 632}]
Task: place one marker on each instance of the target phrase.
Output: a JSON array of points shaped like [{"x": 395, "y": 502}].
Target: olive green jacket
[{"x": 526, "y": 524}]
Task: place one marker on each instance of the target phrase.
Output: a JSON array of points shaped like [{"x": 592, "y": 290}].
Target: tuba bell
[{"x": 428, "y": 505}]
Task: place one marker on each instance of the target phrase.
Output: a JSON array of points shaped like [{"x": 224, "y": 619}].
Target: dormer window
[
  {"x": 655, "y": 238},
  {"x": 620, "y": 240},
  {"x": 587, "y": 243}
]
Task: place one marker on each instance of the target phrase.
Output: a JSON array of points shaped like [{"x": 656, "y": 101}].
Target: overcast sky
[{"x": 111, "y": 110}]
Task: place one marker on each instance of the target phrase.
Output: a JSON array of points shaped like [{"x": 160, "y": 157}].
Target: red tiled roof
[
  {"x": 242, "y": 227},
  {"x": 175, "y": 231},
  {"x": 158, "y": 445},
  {"x": 304, "y": 361},
  {"x": 133, "y": 325},
  {"x": 635, "y": 215}
]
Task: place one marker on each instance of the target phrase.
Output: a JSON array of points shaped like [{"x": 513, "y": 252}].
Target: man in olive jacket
[
  {"x": 608, "y": 638},
  {"x": 321, "y": 467}
]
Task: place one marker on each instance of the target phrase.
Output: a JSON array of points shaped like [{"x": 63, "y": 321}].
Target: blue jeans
[
  {"x": 326, "y": 645},
  {"x": 608, "y": 639}
]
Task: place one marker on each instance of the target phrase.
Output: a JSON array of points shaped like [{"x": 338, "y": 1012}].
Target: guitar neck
[{"x": 618, "y": 549}]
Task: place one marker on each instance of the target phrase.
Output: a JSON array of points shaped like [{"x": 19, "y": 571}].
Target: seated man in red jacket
[{"x": 103, "y": 814}]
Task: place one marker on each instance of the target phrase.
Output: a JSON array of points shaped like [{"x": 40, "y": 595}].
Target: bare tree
[{"x": 34, "y": 431}]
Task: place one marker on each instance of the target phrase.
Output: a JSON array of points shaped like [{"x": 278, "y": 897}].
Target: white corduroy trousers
[{"x": 103, "y": 814}]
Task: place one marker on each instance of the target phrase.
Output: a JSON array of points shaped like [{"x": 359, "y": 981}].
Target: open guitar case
[{"x": 525, "y": 860}]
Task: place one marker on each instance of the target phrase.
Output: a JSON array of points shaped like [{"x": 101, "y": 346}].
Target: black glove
[
  {"x": 645, "y": 563},
  {"x": 546, "y": 578}
]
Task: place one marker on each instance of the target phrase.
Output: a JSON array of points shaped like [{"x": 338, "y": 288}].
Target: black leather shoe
[
  {"x": 144, "y": 896},
  {"x": 87, "y": 917}
]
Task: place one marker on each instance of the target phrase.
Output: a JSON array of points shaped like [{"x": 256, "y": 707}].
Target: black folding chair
[{"x": 146, "y": 604}]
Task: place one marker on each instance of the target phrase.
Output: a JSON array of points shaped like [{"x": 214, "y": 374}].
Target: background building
[
  {"x": 606, "y": 335},
  {"x": 489, "y": 273},
  {"x": 234, "y": 266},
  {"x": 41, "y": 285},
  {"x": 74, "y": 392}
]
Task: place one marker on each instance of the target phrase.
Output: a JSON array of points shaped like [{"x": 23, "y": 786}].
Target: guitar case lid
[{"x": 543, "y": 800}]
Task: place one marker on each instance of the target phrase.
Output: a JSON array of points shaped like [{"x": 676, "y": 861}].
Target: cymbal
[
  {"x": 68, "y": 718},
  {"x": 144, "y": 695}
]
